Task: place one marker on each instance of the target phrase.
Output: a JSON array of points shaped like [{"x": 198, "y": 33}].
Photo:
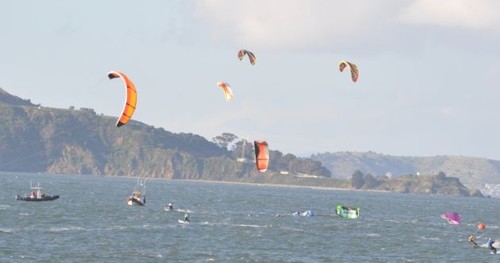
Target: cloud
[
  {"x": 293, "y": 24},
  {"x": 456, "y": 14},
  {"x": 343, "y": 25}
]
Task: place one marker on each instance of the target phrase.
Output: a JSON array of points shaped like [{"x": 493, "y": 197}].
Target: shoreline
[
  {"x": 270, "y": 184},
  {"x": 279, "y": 185}
]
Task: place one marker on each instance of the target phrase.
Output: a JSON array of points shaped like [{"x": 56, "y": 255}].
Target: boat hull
[
  {"x": 134, "y": 201},
  {"x": 34, "y": 199}
]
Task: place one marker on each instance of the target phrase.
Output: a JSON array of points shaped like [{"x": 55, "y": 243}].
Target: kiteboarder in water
[
  {"x": 186, "y": 217},
  {"x": 472, "y": 240},
  {"x": 490, "y": 243}
]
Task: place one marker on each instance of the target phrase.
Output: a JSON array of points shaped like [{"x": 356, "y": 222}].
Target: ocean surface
[{"x": 91, "y": 222}]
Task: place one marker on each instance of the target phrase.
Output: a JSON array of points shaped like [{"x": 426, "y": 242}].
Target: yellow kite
[{"x": 228, "y": 92}]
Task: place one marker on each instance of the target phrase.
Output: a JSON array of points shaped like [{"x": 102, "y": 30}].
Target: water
[{"x": 232, "y": 223}]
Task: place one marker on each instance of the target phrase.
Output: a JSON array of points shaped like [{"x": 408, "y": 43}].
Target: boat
[
  {"x": 347, "y": 212},
  {"x": 37, "y": 194},
  {"x": 138, "y": 196}
]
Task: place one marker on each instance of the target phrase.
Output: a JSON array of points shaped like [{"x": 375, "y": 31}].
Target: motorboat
[
  {"x": 138, "y": 196},
  {"x": 37, "y": 194}
]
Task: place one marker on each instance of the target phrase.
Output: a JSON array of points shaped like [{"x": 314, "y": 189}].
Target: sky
[{"x": 428, "y": 81}]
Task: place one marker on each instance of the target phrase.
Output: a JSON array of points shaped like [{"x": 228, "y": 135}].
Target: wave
[
  {"x": 66, "y": 228},
  {"x": 184, "y": 211},
  {"x": 6, "y": 230},
  {"x": 253, "y": 226}
]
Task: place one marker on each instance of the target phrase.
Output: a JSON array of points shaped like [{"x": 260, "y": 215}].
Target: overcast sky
[{"x": 429, "y": 70}]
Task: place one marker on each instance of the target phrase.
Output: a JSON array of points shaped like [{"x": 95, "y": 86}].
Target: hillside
[
  {"x": 474, "y": 172},
  {"x": 79, "y": 141},
  {"x": 7, "y": 99}
]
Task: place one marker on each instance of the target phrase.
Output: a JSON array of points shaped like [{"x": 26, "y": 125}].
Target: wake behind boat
[
  {"x": 138, "y": 196},
  {"x": 37, "y": 194}
]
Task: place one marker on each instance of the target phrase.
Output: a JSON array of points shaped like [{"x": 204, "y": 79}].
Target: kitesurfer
[
  {"x": 186, "y": 217},
  {"x": 170, "y": 206},
  {"x": 490, "y": 243},
  {"x": 472, "y": 240}
]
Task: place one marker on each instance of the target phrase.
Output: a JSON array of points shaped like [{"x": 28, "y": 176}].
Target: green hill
[
  {"x": 71, "y": 141},
  {"x": 474, "y": 172}
]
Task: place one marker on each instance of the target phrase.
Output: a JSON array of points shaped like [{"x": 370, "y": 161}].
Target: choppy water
[{"x": 232, "y": 223}]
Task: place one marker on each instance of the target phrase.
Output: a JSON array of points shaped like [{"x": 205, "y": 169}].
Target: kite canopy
[
  {"x": 347, "y": 212},
  {"x": 304, "y": 213},
  {"x": 261, "y": 155},
  {"x": 250, "y": 55},
  {"x": 130, "y": 100},
  {"x": 228, "y": 92},
  {"x": 453, "y": 218},
  {"x": 354, "y": 69}
]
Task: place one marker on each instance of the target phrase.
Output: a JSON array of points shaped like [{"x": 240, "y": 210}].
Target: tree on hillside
[
  {"x": 357, "y": 179},
  {"x": 224, "y": 140},
  {"x": 441, "y": 176},
  {"x": 370, "y": 181}
]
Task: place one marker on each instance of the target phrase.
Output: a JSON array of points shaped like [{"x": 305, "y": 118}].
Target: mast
[{"x": 242, "y": 159}]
